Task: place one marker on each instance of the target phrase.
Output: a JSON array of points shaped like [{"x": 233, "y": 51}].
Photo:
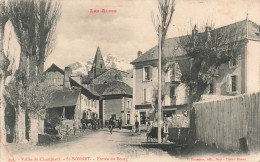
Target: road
[{"x": 95, "y": 146}]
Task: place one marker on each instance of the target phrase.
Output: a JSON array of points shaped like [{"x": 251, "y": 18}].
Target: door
[
  {"x": 128, "y": 119},
  {"x": 142, "y": 117}
]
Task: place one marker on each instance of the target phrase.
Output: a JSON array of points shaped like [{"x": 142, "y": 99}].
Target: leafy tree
[
  {"x": 206, "y": 52},
  {"x": 34, "y": 23}
]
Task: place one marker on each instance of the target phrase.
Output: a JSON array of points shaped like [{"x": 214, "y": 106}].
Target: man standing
[
  {"x": 120, "y": 123},
  {"x": 136, "y": 126},
  {"x": 111, "y": 125}
]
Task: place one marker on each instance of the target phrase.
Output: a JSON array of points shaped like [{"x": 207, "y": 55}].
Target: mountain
[{"x": 82, "y": 68}]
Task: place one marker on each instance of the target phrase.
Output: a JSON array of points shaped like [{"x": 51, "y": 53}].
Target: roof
[
  {"x": 98, "y": 60},
  {"x": 172, "y": 48},
  {"x": 64, "y": 98},
  {"x": 54, "y": 68},
  {"x": 85, "y": 88},
  {"x": 109, "y": 76},
  {"x": 86, "y": 79},
  {"x": 114, "y": 88}
]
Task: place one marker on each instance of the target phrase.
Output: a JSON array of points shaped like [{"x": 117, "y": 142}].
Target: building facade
[{"x": 240, "y": 75}]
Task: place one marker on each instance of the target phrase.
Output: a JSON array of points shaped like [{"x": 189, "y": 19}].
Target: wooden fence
[{"x": 224, "y": 122}]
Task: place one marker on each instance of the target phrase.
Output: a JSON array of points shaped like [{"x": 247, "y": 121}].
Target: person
[
  {"x": 149, "y": 129},
  {"x": 120, "y": 123},
  {"x": 74, "y": 128},
  {"x": 166, "y": 130},
  {"x": 136, "y": 126},
  {"x": 111, "y": 125},
  {"x": 83, "y": 122}
]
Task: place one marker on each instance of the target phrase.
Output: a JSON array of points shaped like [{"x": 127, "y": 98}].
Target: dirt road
[{"x": 96, "y": 146}]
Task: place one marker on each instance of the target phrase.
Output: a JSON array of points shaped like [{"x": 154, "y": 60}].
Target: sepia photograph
[{"x": 130, "y": 80}]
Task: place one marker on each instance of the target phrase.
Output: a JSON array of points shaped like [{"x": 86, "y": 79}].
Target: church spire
[{"x": 98, "y": 65}]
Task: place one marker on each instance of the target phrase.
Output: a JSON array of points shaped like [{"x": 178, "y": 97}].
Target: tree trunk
[
  {"x": 2, "y": 113},
  {"x": 33, "y": 132},
  {"x": 20, "y": 125},
  {"x": 3, "y": 67},
  {"x": 40, "y": 63},
  {"x": 160, "y": 86}
]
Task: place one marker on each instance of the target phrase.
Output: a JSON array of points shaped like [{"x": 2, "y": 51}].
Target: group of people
[
  {"x": 165, "y": 129},
  {"x": 112, "y": 124},
  {"x": 92, "y": 123}
]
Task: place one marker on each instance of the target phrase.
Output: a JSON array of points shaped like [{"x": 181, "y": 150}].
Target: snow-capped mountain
[
  {"x": 116, "y": 62},
  {"x": 82, "y": 67}
]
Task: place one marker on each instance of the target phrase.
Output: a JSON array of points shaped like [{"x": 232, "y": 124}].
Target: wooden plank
[{"x": 258, "y": 121}]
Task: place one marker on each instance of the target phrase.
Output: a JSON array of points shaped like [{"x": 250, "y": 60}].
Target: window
[
  {"x": 169, "y": 113},
  {"x": 147, "y": 73},
  {"x": 147, "y": 95},
  {"x": 95, "y": 104},
  {"x": 231, "y": 84},
  {"x": 234, "y": 83},
  {"x": 142, "y": 117},
  {"x": 171, "y": 73},
  {"x": 101, "y": 66},
  {"x": 84, "y": 115},
  {"x": 168, "y": 76},
  {"x": 211, "y": 88},
  {"x": 172, "y": 95},
  {"x": 86, "y": 101},
  {"x": 172, "y": 91},
  {"x": 128, "y": 104},
  {"x": 233, "y": 62}
]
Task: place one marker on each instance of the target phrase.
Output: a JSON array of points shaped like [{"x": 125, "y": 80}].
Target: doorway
[
  {"x": 128, "y": 119},
  {"x": 142, "y": 117}
]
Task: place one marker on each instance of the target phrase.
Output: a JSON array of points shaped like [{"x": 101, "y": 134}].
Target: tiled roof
[
  {"x": 85, "y": 87},
  {"x": 171, "y": 49},
  {"x": 109, "y": 76},
  {"x": 64, "y": 98},
  {"x": 100, "y": 88},
  {"x": 235, "y": 31},
  {"x": 54, "y": 68},
  {"x": 114, "y": 88}
]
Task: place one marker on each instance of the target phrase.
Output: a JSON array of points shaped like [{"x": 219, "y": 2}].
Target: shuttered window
[
  {"x": 231, "y": 83},
  {"x": 147, "y": 96},
  {"x": 147, "y": 73},
  {"x": 234, "y": 83}
]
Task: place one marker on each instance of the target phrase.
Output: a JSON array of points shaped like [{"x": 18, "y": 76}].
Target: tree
[
  {"x": 206, "y": 52},
  {"x": 34, "y": 24},
  {"x": 49, "y": 15},
  {"x": 161, "y": 24},
  {"x": 4, "y": 64}
]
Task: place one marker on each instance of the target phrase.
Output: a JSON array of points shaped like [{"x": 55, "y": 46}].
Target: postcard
[{"x": 130, "y": 80}]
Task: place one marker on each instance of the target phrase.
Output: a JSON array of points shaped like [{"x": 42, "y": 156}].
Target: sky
[{"x": 130, "y": 29}]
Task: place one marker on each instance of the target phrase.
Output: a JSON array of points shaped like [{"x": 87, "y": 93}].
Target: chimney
[
  {"x": 67, "y": 76},
  {"x": 207, "y": 31},
  {"x": 194, "y": 32},
  {"x": 139, "y": 53}
]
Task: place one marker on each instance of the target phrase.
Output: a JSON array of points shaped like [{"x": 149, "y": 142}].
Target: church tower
[{"x": 98, "y": 66}]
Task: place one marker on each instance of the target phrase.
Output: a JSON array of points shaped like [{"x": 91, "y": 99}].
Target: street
[{"x": 97, "y": 145}]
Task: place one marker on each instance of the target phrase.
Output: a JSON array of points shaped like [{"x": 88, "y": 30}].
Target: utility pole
[{"x": 159, "y": 83}]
